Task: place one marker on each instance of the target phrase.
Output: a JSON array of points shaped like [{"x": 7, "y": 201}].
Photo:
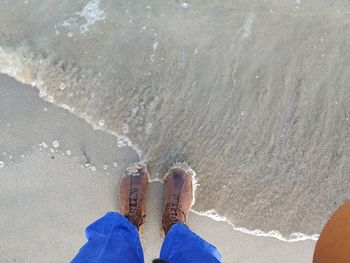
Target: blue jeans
[{"x": 113, "y": 238}]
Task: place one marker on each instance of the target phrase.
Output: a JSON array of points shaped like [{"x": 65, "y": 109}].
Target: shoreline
[
  {"x": 265, "y": 131},
  {"x": 123, "y": 140},
  {"x": 59, "y": 178}
]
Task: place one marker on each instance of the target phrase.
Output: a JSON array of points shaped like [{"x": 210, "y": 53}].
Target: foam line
[
  {"x": 294, "y": 237},
  {"x": 25, "y": 71}
]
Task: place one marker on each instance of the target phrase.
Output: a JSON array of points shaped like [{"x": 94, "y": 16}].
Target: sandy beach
[
  {"x": 49, "y": 195},
  {"x": 253, "y": 94}
]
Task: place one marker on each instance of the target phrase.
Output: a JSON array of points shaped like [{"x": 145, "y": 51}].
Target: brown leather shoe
[
  {"x": 132, "y": 194},
  {"x": 178, "y": 197}
]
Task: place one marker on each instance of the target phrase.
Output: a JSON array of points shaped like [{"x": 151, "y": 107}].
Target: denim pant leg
[
  {"x": 112, "y": 238},
  {"x": 181, "y": 245}
]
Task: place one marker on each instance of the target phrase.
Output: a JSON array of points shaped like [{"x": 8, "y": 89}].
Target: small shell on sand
[{"x": 56, "y": 144}]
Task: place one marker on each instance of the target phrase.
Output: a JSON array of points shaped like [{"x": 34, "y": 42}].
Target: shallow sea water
[{"x": 254, "y": 95}]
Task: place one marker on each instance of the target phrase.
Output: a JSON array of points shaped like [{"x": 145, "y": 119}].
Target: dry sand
[{"x": 49, "y": 197}]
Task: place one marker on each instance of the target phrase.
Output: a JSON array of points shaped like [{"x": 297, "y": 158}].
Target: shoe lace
[
  {"x": 134, "y": 209},
  {"x": 173, "y": 209}
]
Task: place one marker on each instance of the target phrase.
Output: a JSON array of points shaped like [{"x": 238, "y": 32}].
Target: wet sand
[
  {"x": 59, "y": 175},
  {"x": 253, "y": 94}
]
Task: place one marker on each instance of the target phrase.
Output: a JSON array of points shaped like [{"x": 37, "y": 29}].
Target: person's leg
[
  {"x": 115, "y": 237},
  {"x": 181, "y": 244},
  {"x": 112, "y": 238}
]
